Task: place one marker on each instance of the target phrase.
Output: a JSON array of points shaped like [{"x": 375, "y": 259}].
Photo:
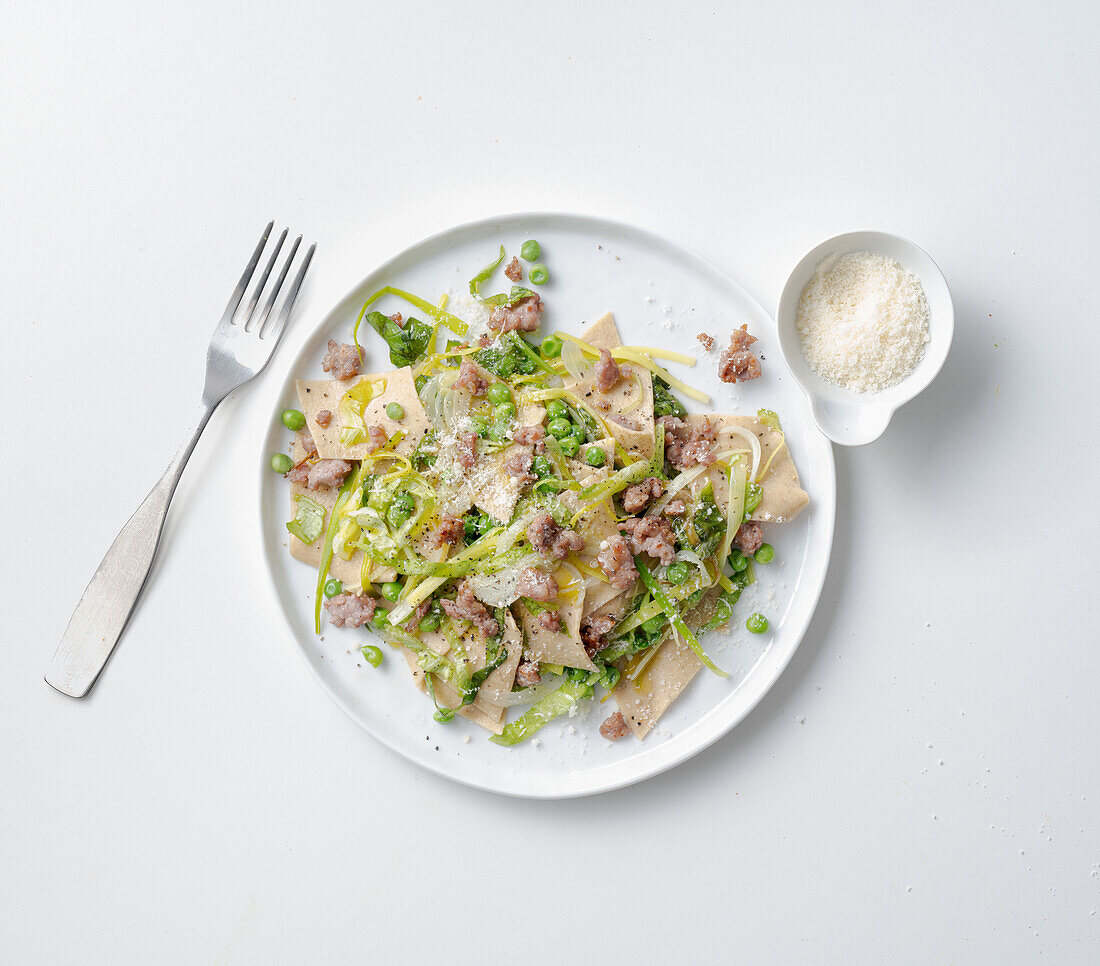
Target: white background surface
[{"x": 208, "y": 803}]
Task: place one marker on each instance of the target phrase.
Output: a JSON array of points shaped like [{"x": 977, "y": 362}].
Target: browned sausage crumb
[
  {"x": 378, "y": 437},
  {"x": 707, "y": 340},
  {"x": 518, "y": 466},
  {"x": 638, "y": 496},
  {"x": 397, "y": 319},
  {"x": 531, "y": 436},
  {"x": 594, "y": 631},
  {"x": 737, "y": 363},
  {"x": 412, "y": 624},
  {"x": 451, "y": 531},
  {"x": 652, "y": 535},
  {"x": 550, "y": 620},
  {"x": 342, "y": 360},
  {"x": 537, "y": 584},
  {"x": 749, "y": 538},
  {"x": 514, "y": 270},
  {"x": 606, "y": 371},
  {"x": 467, "y": 607},
  {"x": 617, "y": 562},
  {"x": 323, "y": 473},
  {"x": 350, "y": 610},
  {"x": 467, "y": 448},
  {"x": 305, "y": 437},
  {"x": 524, "y": 316},
  {"x": 688, "y": 446},
  {"x": 527, "y": 674},
  {"x": 674, "y": 508},
  {"x": 615, "y": 727},
  {"x": 324, "y": 417},
  {"x": 550, "y": 538},
  {"x": 469, "y": 377}
]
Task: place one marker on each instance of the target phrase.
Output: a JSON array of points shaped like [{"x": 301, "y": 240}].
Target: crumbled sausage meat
[
  {"x": 737, "y": 363},
  {"x": 305, "y": 437},
  {"x": 514, "y": 270},
  {"x": 342, "y": 360},
  {"x": 550, "y": 538},
  {"x": 324, "y": 417},
  {"x": 327, "y": 473},
  {"x": 617, "y": 562},
  {"x": 550, "y": 620},
  {"x": 707, "y": 340},
  {"x": 606, "y": 371},
  {"x": 470, "y": 378},
  {"x": 518, "y": 466},
  {"x": 411, "y": 625},
  {"x": 615, "y": 727},
  {"x": 594, "y": 631},
  {"x": 639, "y": 495},
  {"x": 451, "y": 530},
  {"x": 675, "y": 507},
  {"x": 527, "y": 674},
  {"x": 530, "y": 436},
  {"x": 350, "y": 610},
  {"x": 748, "y": 538},
  {"x": 378, "y": 437},
  {"x": 524, "y": 316},
  {"x": 467, "y": 607},
  {"x": 537, "y": 584},
  {"x": 652, "y": 535},
  {"x": 467, "y": 448},
  {"x": 688, "y": 446},
  {"x": 396, "y": 318}
]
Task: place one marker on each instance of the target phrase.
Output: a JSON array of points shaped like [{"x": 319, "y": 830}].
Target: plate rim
[{"x": 662, "y": 763}]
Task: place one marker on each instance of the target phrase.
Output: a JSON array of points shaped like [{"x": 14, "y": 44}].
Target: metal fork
[{"x": 242, "y": 345}]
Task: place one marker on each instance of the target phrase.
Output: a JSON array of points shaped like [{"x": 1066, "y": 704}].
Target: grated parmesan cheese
[{"x": 863, "y": 321}]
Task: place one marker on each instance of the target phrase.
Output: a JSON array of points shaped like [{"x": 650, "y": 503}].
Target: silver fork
[{"x": 242, "y": 345}]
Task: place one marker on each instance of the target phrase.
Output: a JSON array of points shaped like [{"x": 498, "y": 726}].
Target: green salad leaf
[
  {"x": 664, "y": 402},
  {"x": 309, "y": 519},
  {"x": 407, "y": 343}
]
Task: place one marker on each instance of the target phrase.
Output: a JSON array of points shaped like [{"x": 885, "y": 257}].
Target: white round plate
[{"x": 661, "y": 294}]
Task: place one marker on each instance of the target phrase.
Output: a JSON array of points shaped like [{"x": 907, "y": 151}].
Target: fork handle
[{"x": 109, "y": 599}]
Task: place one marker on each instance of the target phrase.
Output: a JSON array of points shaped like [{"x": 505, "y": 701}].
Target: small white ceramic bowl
[{"x": 854, "y": 418}]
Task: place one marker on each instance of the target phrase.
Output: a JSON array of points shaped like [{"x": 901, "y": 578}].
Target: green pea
[
  {"x": 391, "y": 589},
  {"x": 576, "y": 674},
  {"x": 380, "y": 619},
  {"x": 551, "y": 347},
  {"x": 429, "y": 624},
  {"x": 444, "y": 715},
  {"x": 677, "y": 572},
  {"x": 594, "y": 456},
  {"x": 757, "y": 623},
  {"x": 765, "y": 555},
  {"x": 395, "y": 410},
  {"x": 293, "y": 419},
  {"x": 530, "y": 250},
  {"x": 556, "y": 409},
  {"x": 281, "y": 463},
  {"x": 538, "y": 274},
  {"x": 738, "y": 561},
  {"x": 570, "y": 446},
  {"x": 505, "y": 410},
  {"x": 499, "y": 393},
  {"x": 542, "y": 467},
  {"x": 580, "y": 434},
  {"x": 373, "y": 655},
  {"x": 397, "y": 515},
  {"x": 654, "y": 625},
  {"x": 480, "y": 424},
  {"x": 559, "y": 428},
  {"x": 333, "y": 587}
]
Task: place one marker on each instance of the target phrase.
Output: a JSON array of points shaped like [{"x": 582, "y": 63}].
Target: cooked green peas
[
  {"x": 530, "y": 250},
  {"x": 429, "y": 624},
  {"x": 480, "y": 424},
  {"x": 738, "y": 561},
  {"x": 570, "y": 446},
  {"x": 757, "y": 623},
  {"x": 579, "y": 433},
  {"x": 559, "y": 428},
  {"x": 333, "y": 587},
  {"x": 556, "y": 409},
  {"x": 281, "y": 463},
  {"x": 594, "y": 456},
  {"x": 293, "y": 419},
  {"x": 551, "y": 347},
  {"x": 677, "y": 572},
  {"x": 538, "y": 274},
  {"x": 444, "y": 715},
  {"x": 506, "y": 410},
  {"x": 372, "y": 655},
  {"x": 380, "y": 619},
  {"x": 542, "y": 466},
  {"x": 499, "y": 393},
  {"x": 654, "y": 625},
  {"x": 765, "y": 555},
  {"x": 395, "y": 411},
  {"x": 391, "y": 589}
]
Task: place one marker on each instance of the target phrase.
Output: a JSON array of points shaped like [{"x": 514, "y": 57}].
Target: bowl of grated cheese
[{"x": 865, "y": 323}]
